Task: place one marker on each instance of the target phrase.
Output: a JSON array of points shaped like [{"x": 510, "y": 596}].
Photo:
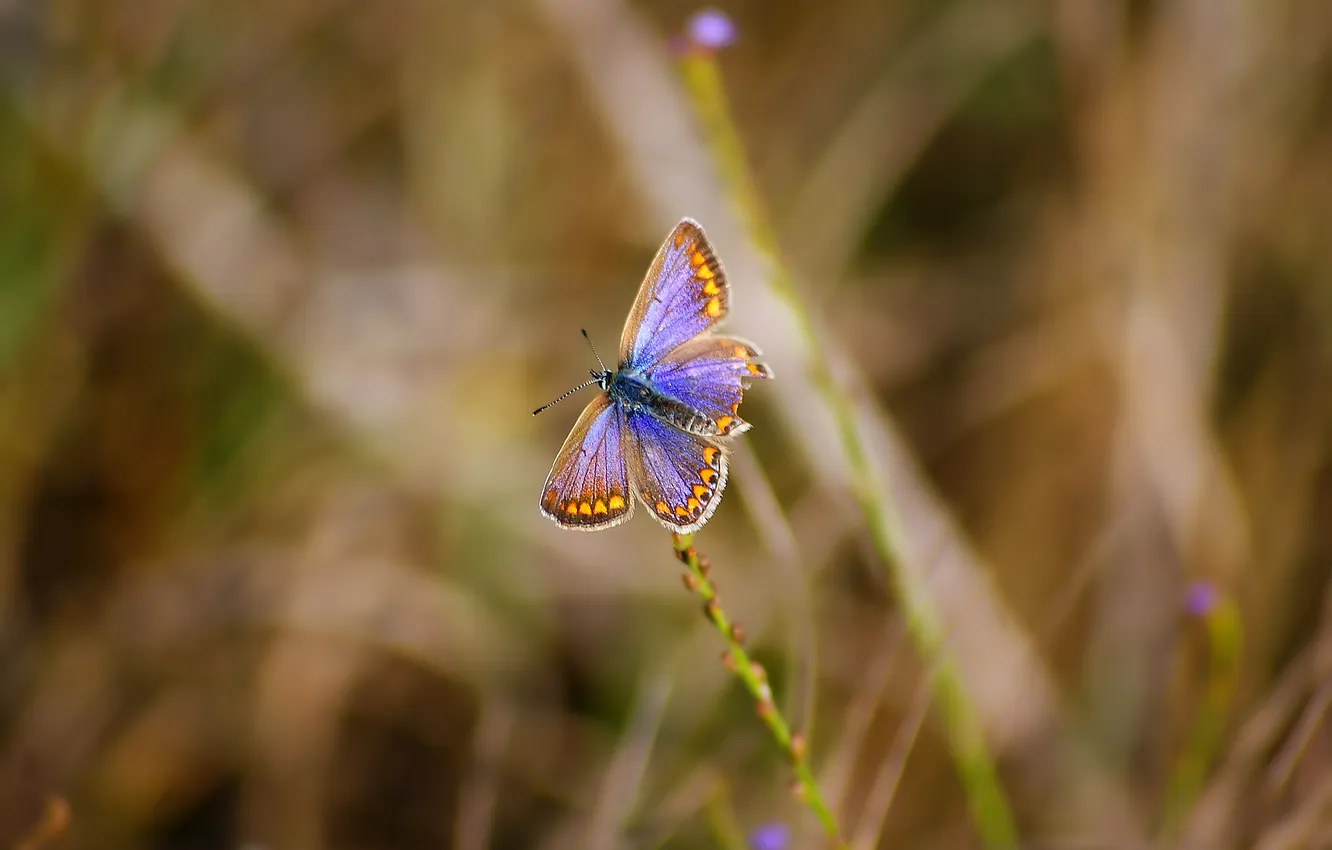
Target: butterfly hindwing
[
  {"x": 709, "y": 375},
  {"x": 684, "y": 294},
  {"x": 588, "y": 486},
  {"x": 679, "y": 476}
]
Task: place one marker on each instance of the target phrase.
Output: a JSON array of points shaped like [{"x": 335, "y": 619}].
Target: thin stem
[
  {"x": 755, "y": 680},
  {"x": 1221, "y": 625},
  {"x": 971, "y": 757},
  {"x": 721, "y": 817}
]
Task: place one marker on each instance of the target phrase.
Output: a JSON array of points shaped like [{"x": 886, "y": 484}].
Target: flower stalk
[
  {"x": 755, "y": 679},
  {"x": 990, "y": 811}
]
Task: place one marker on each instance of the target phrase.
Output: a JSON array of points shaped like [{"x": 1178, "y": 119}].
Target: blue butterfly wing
[
  {"x": 679, "y": 476},
  {"x": 684, "y": 294},
  {"x": 588, "y": 486},
  {"x": 709, "y": 375}
]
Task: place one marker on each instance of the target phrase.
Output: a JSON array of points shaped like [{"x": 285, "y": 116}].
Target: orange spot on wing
[
  {"x": 705, "y": 273},
  {"x": 713, "y": 308},
  {"x": 693, "y": 505},
  {"x": 681, "y": 510},
  {"x": 697, "y": 259},
  {"x": 724, "y": 421},
  {"x": 741, "y": 351},
  {"x": 616, "y": 503},
  {"x": 755, "y": 370},
  {"x": 585, "y": 509},
  {"x": 700, "y": 490},
  {"x": 708, "y": 454},
  {"x": 707, "y": 474},
  {"x": 710, "y": 288},
  {"x": 661, "y": 508},
  {"x": 680, "y": 237},
  {"x": 599, "y": 507},
  {"x": 571, "y": 509}
]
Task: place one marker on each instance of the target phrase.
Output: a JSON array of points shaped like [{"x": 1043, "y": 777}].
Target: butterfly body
[
  {"x": 635, "y": 393},
  {"x": 657, "y": 430}
]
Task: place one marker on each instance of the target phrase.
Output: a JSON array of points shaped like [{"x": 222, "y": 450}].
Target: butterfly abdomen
[
  {"x": 683, "y": 416},
  {"x": 635, "y": 394}
]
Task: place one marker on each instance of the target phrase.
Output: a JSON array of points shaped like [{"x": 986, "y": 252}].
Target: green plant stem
[
  {"x": 1221, "y": 627},
  {"x": 721, "y": 816},
  {"x": 971, "y": 757},
  {"x": 755, "y": 680}
]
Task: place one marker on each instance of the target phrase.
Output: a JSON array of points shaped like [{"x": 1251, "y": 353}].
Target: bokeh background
[{"x": 280, "y": 284}]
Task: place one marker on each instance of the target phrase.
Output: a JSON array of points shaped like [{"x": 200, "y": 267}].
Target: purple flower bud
[
  {"x": 770, "y": 836},
  {"x": 1200, "y": 598},
  {"x": 711, "y": 29}
]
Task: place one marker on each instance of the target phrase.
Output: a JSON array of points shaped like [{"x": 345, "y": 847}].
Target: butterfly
[{"x": 656, "y": 431}]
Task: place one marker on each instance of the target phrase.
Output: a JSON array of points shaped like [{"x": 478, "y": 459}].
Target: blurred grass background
[{"x": 280, "y": 284}]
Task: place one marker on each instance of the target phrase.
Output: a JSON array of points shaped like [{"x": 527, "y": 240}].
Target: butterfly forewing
[
  {"x": 588, "y": 486},
  {"x": 709, "y": 375},
  {"x": 684, "y": 294},
  {"x": 679, "y": 476}
]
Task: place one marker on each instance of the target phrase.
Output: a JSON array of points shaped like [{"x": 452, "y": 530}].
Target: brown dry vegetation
[{"x": 281, "y": 281}]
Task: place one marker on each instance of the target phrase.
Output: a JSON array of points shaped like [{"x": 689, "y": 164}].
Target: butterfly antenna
[
  {"x": 594, "y": 350},
  {"x": 582, "y": 386}
]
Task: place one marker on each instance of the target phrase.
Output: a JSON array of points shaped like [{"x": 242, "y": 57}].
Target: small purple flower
[
  {"x": 770, "y": 836},
  {"x": 711, "y": 29},
  {"x": 1200, "y": 598}
]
